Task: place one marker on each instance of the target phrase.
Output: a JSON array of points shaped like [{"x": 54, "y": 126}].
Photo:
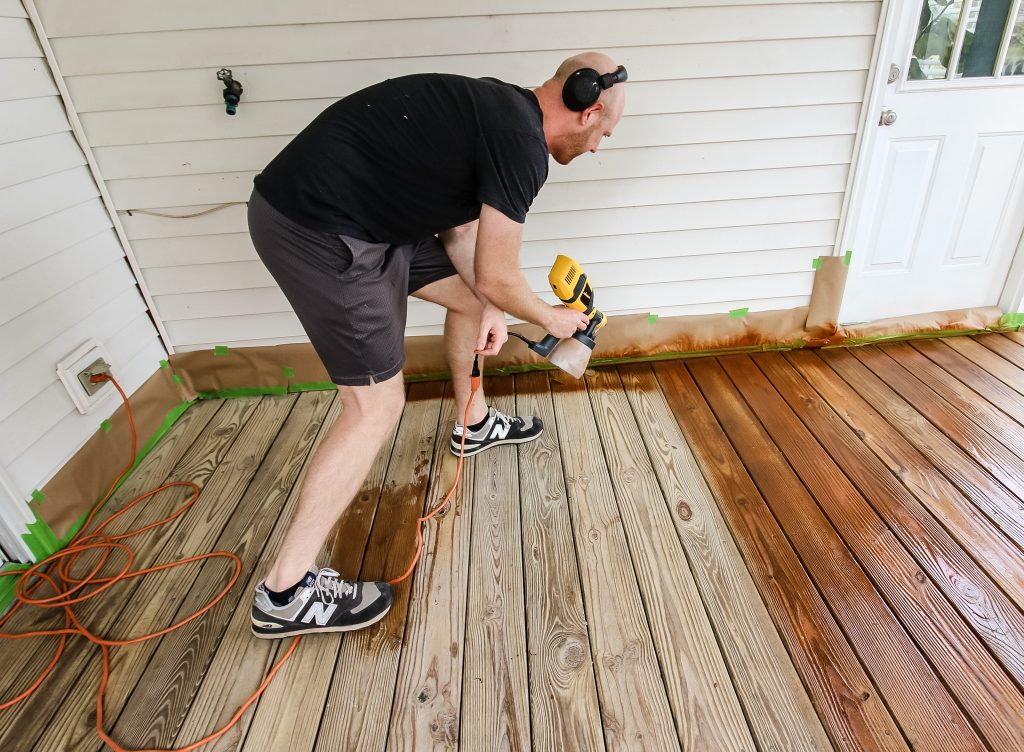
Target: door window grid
[{"x": 958, "y": 39}]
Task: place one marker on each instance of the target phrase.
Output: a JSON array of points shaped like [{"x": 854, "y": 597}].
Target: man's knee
[{"x": 381, "y": 402}]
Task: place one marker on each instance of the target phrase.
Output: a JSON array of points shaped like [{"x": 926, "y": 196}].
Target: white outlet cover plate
[{"x": 69, "y": 368}]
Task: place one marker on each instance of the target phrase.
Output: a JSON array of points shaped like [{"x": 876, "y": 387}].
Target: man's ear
[{"x": 591, "y": 112}]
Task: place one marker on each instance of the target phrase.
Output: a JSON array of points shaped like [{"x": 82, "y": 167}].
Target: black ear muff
[{"x": 583, "y": 87}]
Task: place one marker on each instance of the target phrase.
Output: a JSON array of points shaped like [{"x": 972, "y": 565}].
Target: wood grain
[
  {"x": 965, "y": 522},
  {"x": 1002, "y": 507},
  {"x": 980, "y": 411},
  {"x": 240, "y": 662},
  {"x": 563, "y": 693},
  {"x": 151, "y": 473},
  {"x": 80, "y": 664},
  {"x": 776, "y": 705},
  {"x": 495, "y": 712},
  {"x": 845, "y": 697},
  {"x": 978, "y": 444},
  {"x": 959, "y": 657},
  {"x": 915, "y": 695},
  {"x": 1009, "y": 373},
  {"x": 706, "y": 710},
  {"x": 359, "y": 698},
  {"x": 428, "y": 693},
  {"x": 152, "y": 605},
  {"x": 977, "y": 597},
  {"x": 158, "y": 705},
  {"x": 279, "y": 722},
  {"x": 634, "y": 705},
  {"x": 974, "y": 376},
  {"x": 1005, "y": 345}
]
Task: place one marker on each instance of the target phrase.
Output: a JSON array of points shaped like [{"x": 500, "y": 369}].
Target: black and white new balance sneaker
[
  {"x": 323, "y": 603},
  {"x": 498, "y": 429}
]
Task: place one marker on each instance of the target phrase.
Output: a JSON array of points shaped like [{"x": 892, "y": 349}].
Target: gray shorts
[{"x": 350, "y": 295}]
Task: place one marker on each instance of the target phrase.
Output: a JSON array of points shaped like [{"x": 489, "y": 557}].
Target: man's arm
[
  {"x": 460, "y": 244},
  {"x": 499, "y": 278}
]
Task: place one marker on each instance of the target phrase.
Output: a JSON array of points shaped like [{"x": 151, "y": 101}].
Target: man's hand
[
  {"x": 493, "y": 331},
  {"x": 565, "y": 322}
]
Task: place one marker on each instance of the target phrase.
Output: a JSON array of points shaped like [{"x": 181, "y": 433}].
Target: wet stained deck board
[{"x": 799, "y": 551}]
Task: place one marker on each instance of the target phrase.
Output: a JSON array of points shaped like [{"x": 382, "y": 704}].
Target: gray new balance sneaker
[
  {"x": 323, "y": 603},
  {"x": 499, "y": 429}
]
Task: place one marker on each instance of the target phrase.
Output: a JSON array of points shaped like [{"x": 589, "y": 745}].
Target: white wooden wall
[
  {"x": 724, "y": 181},
  {"x": 63, "y": 275}
]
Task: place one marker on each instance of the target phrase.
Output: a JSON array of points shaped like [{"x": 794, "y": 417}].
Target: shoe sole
[
  {"x": 279, "y": 634},
  {"x": 470, "y": 452}
]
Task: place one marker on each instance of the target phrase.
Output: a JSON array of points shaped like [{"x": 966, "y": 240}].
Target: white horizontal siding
[
  {"x": 722, "y": 70},
  {"x": 63, "y": 275},
  {"x": 74, "y": 18},
  {"x": 25, "y": 78},
  {"x": 729, "y": 169},
  {"x": 36, "y": 465},
  {"x": 216, "y": 249},
  {"x": 38, "y": 157},
  {"x": 364, "y": 40},
  {"x": 183, "y": 158},
  {"x": 554, "y": 197}
]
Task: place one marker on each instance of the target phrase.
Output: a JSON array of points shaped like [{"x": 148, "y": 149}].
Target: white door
[{"x": 937, "y": 208}]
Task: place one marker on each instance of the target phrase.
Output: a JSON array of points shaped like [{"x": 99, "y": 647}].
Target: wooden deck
[{"x": 771, "y": 553}]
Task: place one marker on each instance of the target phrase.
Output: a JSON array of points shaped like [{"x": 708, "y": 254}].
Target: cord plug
[{"x": 474, "y": 377}]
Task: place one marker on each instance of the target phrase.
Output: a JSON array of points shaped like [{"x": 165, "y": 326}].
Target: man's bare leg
[
  {"x": 461, "y": 327},
  {"x": 336, "y": 472}
]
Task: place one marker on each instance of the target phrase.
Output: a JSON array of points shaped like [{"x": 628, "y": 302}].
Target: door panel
[{"x": 938, "y": 209}]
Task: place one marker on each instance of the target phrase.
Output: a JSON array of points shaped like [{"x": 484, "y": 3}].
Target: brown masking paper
[{"x": 88, "y": 474}]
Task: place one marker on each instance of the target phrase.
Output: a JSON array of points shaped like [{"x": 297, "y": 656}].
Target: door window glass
[
  {"x": 1014, "y": 65},
  {"x": 964, "y": 38},
  {"x": 985, "y": 24},
  {"x": 933, "y": 43}
]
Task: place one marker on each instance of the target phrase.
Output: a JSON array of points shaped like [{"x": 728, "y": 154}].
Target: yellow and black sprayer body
[{"x": 570, "y": 284}]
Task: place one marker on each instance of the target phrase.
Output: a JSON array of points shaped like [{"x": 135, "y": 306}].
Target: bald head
[
  {"x": 570, "y": 133},
  {"x": 596, "y": 60}
]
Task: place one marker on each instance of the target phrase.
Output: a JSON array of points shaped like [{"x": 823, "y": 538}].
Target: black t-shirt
[{"x": 407, "y": 158}]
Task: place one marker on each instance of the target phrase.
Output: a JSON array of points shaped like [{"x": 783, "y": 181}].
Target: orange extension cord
[{"x": 66, "y": 585}]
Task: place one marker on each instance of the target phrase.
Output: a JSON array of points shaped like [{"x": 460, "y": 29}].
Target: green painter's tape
[
  {"x": 242, "y": 391},
  {"x": 798, "y": 343},
  {"x": 169, "y": 420},
  {"x": 164, "y": 364},
  {"x": 106, "y": 426},
  {"x": 37, "y": 495},
  {"x": 847, "y": 256},
  {"x": 177, "y": 378},
  {"x": 289, "y": 372},
  {"x": 8, "y": 582},
  {"x": 916, "y": 335},
  {"x": 738, "y": 313},
  {"x": 40, "y": 539},
  {"x": 1012, "y": 320},
  {"x": 260, "y": 391},
  {"x": 816, "y": 263},
  {"x": 221, "y": 350},
  {"x": 313, "y": 386},
  {"x": 651, "y": 318}
]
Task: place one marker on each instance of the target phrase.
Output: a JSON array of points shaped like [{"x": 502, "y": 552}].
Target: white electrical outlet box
[{"x": 74, "y": 364}]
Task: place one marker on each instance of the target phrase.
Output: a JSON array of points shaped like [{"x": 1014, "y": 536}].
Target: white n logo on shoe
[
  {"x": 500, "y": 430},
  {"x": 321, "y": 612}
]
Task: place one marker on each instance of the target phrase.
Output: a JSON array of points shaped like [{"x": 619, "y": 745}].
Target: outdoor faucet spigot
[{"x": 232, "y": 90}]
